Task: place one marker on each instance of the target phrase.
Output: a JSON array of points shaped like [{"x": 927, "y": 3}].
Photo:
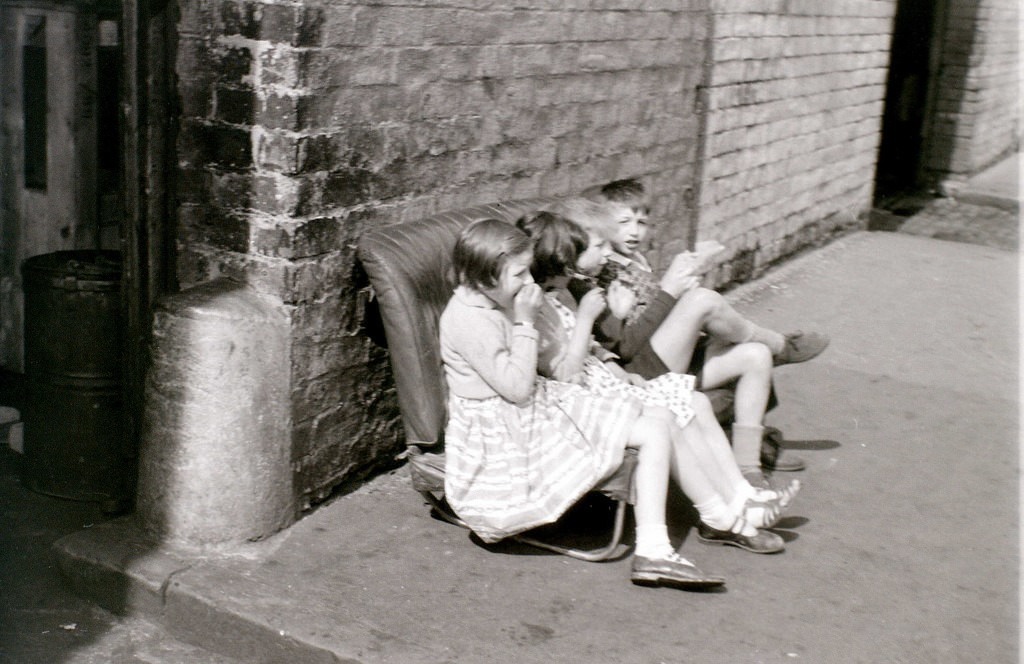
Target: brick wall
[
  {"x": 303, "y": 124},
  {"x": 794, "y": 112},
  {"x": 977, "y": 107}
]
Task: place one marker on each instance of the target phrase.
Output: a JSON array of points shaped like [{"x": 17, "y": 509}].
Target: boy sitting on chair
[{"x": 679, "y": 326}]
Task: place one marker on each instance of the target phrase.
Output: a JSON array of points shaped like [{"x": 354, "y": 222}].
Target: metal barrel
[{"x": 73, "y": 417}]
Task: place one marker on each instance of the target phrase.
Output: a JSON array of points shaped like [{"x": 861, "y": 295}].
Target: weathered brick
[
  {"x": 285, "y": 112},
  {"x": 356, "y": 26},
  {"x": 278, "y": 151},
  {"x": 313, "y": 278},
  {"x": 196, "y": 100},
  {"x": 222, "y": 145},
  {"x": 192, "y": 185},
  {"x": 345, "y": 188},
  {"x": 277, "y": 23},
  {"x": 201, "y": 225},
  {"x": 273, "y": 241},
  {"x": 232, "y": 65},
  {"x": 318, "y": 236},
  {"x": 194, "y": 55},
  {"x": 282, "y": 67},
  {"x": 235, "y": 106},
  {"x": 199, "y": 17}
]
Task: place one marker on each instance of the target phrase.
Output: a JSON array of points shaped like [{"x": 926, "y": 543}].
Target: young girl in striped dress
[
  {"x": 522, "y": 449},
  {"x": 561, "y": 248}
]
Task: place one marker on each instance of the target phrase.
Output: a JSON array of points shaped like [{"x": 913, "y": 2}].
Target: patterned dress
[
  {"x": 511, "y": 466},
  {"x": 670, "y": 390}
]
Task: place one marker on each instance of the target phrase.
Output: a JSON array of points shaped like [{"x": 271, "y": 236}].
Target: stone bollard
[{"x": 215, "y": 457}]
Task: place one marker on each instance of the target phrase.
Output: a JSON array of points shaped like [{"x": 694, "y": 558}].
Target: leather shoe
[
  {"x": 786, "y": 463},
  {"x": 772, "y": 453},
  {"x": 762, "y": 542},
  {"x": 756, "y": 478},
  {"x": 672, "y": 570},
  {"x": 800, "y": 347}
]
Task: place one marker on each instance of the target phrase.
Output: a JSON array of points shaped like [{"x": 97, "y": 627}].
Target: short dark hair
[
  {"x": 623, "y": 191},
  {"x": 482, "y": 249},
  {"x": 557, "y": 243}
]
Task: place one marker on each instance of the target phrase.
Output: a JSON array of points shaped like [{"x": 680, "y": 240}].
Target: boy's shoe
[
  {"x": 772, "y": 453},
  {"x": 672, "y": 570},
  {"x": 756, "y": 478},
  {"x": 786, "y": 463},
  {"x": 800, "y": 347}
]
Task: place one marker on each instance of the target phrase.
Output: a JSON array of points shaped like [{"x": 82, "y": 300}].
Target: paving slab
[{"x": 997, "y": 186}]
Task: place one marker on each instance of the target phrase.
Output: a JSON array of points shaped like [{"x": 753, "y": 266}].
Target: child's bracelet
[{"x": 523, "y": 323}]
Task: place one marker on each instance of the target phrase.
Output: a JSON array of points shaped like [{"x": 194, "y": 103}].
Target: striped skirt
[{"x": 511, "y": 468}]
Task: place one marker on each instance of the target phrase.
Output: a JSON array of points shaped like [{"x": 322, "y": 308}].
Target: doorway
[{"x": 909, "y": 102}]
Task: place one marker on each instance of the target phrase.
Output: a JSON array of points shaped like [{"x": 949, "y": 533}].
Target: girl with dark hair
[{"x": 731, "y": 509}]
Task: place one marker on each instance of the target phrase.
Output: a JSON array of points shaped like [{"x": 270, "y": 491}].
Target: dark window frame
[{"x": 34, "y": 102}]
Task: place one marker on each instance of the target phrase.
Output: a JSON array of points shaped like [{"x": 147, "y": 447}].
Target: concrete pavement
[
  {"x": 41, "y": 620},
  {"x": 997, "y": 186},
  {"x": 902, "y": 547}
]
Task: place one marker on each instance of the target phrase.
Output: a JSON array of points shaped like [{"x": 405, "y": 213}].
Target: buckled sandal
[
  {"x": 771, "y": 512},
  {"x": 787, "y": 493},
  {"x": 763, "y": 542},
  {"x": 783, "y": 494}
]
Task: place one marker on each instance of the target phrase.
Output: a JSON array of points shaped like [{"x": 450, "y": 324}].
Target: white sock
[
  {"x": 744, "y": 492},
  {"x": 746, "y": 445},
  {"x": 715, "y": 513},
  {"x": 652, "y": 540}
]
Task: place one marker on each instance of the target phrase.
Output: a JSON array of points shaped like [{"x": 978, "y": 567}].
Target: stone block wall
[
  {"x": 795, "y": 100},
  {"x": 302, "y": 124},
  {"x": 977, "y": 107}
]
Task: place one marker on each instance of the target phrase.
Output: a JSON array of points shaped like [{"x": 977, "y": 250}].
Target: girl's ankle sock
[
  {"x": 765, "y": 494},
  {"x": 715, "y": 513},
  {"x": 744, "y": 492},
  {"x": 760, "y": 513},
  {"x": 652, "y": 540}
]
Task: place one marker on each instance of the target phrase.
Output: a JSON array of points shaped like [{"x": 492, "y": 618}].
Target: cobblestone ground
[{"x": 949, "y": 219}]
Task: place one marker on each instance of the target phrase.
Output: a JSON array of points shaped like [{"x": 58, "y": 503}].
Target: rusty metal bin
[{"x": 72, "y": 438}]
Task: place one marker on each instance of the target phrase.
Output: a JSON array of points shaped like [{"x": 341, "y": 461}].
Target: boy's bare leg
[
  {"x": 676, "y": 338},
  {"x": 727, "y": 324},
  {"x": 700, "y": 310},
  {"x": 750, "y": 365}
]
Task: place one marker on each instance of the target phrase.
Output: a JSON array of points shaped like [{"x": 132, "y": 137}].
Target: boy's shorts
[{"x": 647, "y": 364}]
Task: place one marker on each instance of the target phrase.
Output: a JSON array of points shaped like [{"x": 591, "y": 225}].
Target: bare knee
[
  {"x": 704, "y": 300},
  {"x": 650, "y": 429},
  {"x": 755, "y": 358}
]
